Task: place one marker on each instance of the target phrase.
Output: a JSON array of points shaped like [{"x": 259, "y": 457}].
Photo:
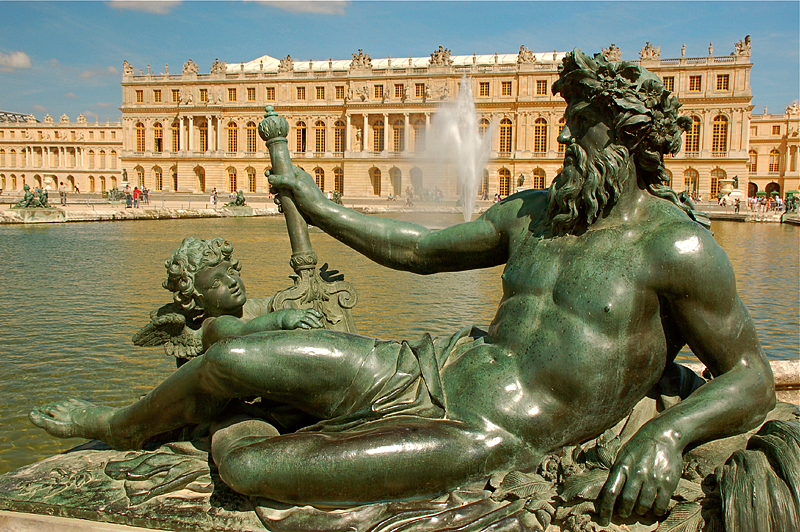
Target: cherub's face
[{"x": 221, "y": 289}]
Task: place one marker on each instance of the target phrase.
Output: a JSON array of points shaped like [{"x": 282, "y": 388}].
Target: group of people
[
  {"x": 765, "y": 204},
  {"x": 136, "y": 197}
]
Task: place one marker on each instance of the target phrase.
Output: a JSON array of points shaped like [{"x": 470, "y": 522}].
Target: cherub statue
[{"x": 210, "y": 303}]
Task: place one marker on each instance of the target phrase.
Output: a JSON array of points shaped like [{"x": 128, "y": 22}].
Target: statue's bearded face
[{"x": 591, "y": 178}]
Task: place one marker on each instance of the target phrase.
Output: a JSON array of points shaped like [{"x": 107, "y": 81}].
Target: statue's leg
[
  {"x": 394, "y": 458},
  {"x": 311, "y": 370}
]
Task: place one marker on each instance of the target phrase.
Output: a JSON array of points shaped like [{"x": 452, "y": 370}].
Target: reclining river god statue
[{"x": 608, "y": 274}]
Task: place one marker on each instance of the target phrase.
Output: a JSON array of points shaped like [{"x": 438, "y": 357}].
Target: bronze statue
[
  {"x": 238, "y": 201},
  {"x": 607, "y": 276},
  {"x": 210, "y": 303}
]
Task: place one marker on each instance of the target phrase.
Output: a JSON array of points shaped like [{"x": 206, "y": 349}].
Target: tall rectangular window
[
  {"x": 669, "y": 83},
  {"x": 776, "y": 130},
  {"x": 232, "y": 94},
  {"x": 301, "y": 93},
  {"x": 158, "y": 137},
  {"x": 419, "y": 90},
  {"x": 505, "y": 88},
  {"x": 176, "y": 95},
  {"x": 483, "y": 88},
  {"x": 270, "y": 94},
  {"x": 541, "y": 87},
  {"x": 176, "y": 136},
  {"x": 233, "y": 138},
  {"x": 398, "y": 90},
  {"x": 378, "y": 91},
  {"x": 251, "y": 94},
  {"x": 113, "y": 135},
  {"x": 320, "y": 92},
  {"x": 723, "y": 82},
  {"x": 157, "y": 95},
  {"x": 204, "y": 95},
  {"x": 204, "y": 137},
  {"x": 340, "y": 92},
  {"x": 139, "y": 96},
  {"x": 695, "y": 83},
  {"x": 753, "y": 131}
]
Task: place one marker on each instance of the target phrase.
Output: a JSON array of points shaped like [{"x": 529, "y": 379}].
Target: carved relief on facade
[
  {"x": 525, "y": 56},
  {"x": 362, "y": 92},
  {"x": 793, "y": 109},
  {"x": 219, "y": 67},
  {"x": 441, "y": 57},
  {"x": 361, "y": 60},
  {"x": 743, "y": 47},
  {"x": 286, "y": 64},
  {"x": 190, "y": 67},
  {"x": 650, "y": 52},
  {"x": 612, "y": 53}
]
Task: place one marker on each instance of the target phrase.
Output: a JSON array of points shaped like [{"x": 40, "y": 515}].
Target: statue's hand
[
  {"x": 330, "y": 276},
  {"x": 644, "y": 476},
  {"x": 301, "y": 184},
  {"x": 301, "y": 319}
]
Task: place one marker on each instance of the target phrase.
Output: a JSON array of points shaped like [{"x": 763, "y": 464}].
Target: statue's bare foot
[{"x": 74, "y": 418}]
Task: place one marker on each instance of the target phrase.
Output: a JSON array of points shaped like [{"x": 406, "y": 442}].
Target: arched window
[
  {"x": 251, "y": 139},
  {"x": 319, "y": 177},
  {"x": 419, "y": 135},
  {"x": 140, "y": 177},
  {"x": 716, "y": 175},
  {"x": 200, "y": 172},
  {"x": 251, "y": 179},
  {"x": 504, "y": 186},
  {"x": 158, "y": 137},
  {"x": 719, "y": 135},
  {"x": 692, "y": 143},
  {"x": 485, "y": 181},
  {"x": 691, "y": 180},
  {"x": 399, "y": 132},
  {"x": 102, "y": 183},
  {"x": 13, "y": 157},
  {"x": 752, "y": 164},
  {"x": 338, "y": 180},
  {"x": 139, "y": 137},
  {"x": 301, "y": 137},
  {"x": 231, "y": 179},
  {"x": 540, "y": 135},
  {"x": 3, "y": 158},
  {"x": 396, "y": 179},
  {"x": 538, "y": 178},
  {"x": 377, "y": 136},
  {"x": 90, "y": 159},
  {"x": 203, "y": 129},
  {"x": 375, "y": 179},
  {"x": 176, "y": 136},
  {"x": 339, "y": 143},
  {"x": 561, "y": 123},
  {"x": 102, "y": 159},
  {"x": 416, "y": 181},
  {"x": 91, "y": 183},
  {"x": 174, "y": 170},
  {"x": 505, "y": 137},
  {"x": 233, "y": 137},
  {"x": 158, "y": 178},
  {"x": 669, "y": 178},
  {"x": 483, "y": 126},
  {"x": 319, "y": 137},
  {"x": 774, "y": 161}
]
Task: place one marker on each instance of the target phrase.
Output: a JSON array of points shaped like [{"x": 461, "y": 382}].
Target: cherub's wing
[{"x": 168, "y": 328}]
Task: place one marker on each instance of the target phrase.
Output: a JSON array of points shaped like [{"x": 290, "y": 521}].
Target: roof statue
[
  {"x": 525, "y": 56},
  {"x": 612, "y": 53},
  {"x": 361, "y": 60},
  {"x": 219, "y": 67},
  {"x": 286, "y": 64},
  {"x": 650, "y": 52},
  {"x": 190, "y": 67},
  {"x": 742, "y": 48},
  {"x": 441, "y": 57}
]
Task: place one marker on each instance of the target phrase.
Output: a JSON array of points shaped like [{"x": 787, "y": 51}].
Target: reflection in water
[{"x": 75, "y": 293}]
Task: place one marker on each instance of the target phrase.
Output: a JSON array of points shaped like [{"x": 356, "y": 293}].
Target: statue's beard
[{"x": 586, "y": 186}]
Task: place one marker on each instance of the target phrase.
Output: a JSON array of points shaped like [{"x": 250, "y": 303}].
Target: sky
[{"x": 65, "y": 57}]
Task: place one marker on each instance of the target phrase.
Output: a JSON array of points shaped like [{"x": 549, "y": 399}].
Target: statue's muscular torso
[{"x": 578, "y": 337}]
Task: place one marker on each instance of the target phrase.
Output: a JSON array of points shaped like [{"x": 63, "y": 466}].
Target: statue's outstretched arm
[
  {"x": 697, "y": 287},
  {"x": 402, "y": 245}
]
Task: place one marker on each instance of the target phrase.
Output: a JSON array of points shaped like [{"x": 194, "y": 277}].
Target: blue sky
[{"x": 66, "y": 57}]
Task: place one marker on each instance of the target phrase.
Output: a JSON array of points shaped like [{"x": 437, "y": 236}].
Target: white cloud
[
  {"x": 40, "y": 108},
  {"x": 321, "y": 7},
  {"x": 9, "y": 62},
  {"x": 155, "y": 7},
  {"x": 104, "y": 105},
  {"x": 97, "y": 72},
  {"x": 112, "y": 70},
  {"x": 90, "y": 114},
  {"x": 71, "y": 96}
]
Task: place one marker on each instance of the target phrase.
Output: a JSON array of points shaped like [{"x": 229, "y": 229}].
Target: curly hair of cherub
[{"x": 193, "y": 255}]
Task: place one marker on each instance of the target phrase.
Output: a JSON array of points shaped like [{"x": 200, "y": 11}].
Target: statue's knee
[{"x": 243, "y": 471}]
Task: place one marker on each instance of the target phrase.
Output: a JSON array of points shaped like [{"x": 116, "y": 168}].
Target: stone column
[
  {"x": 386, "y": 132},
  {"x": 365, "y": 134},
  {"x": 348, "y": 136},
  {"x": 406, "y": 131},
  {"x": 219, "y": 132},
  {"x": 191, "y": 130}
]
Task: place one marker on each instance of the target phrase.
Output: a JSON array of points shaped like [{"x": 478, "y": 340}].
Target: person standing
[
  {"x": 137, "y": 196},
  {"x": 62, "y": 193}
]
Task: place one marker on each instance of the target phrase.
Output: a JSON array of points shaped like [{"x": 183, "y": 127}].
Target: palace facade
[
  {"x": 359, "y": 125},
  {"x": 44, "y": 154}
]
